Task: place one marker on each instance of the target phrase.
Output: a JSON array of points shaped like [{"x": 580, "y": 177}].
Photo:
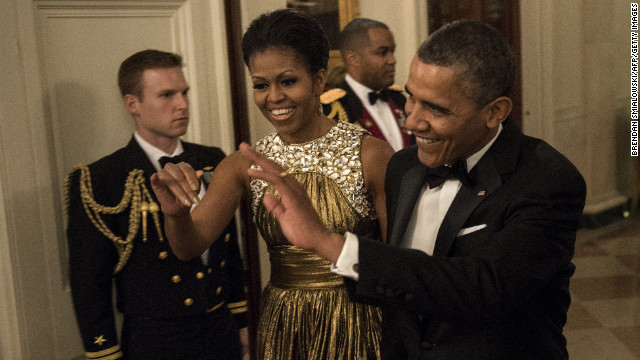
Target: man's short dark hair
[
  {"x": 131, "y": 69},
  {"x": 481, "y": 56},
  {"x": 355, "y": 35}
]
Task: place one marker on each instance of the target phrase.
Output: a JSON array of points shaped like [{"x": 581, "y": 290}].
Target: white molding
[
  {"x": 8, "y": 308},
  {"x": 183, "y": 43},
  {"x": 530, "y": 68},
  {"x": 9, "y": 316},
  {"x": 71, "y": 5},
  {"x": 105, "y": 9},
  {"x": 221, "y": 110},
  {"x": 537, "y": 68},
  {"x": 28, "y": 194},
  {"x": 422, "y": 16}
]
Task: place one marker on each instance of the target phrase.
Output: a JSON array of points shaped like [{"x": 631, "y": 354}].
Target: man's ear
[
  {"x": 498, "y": 110},
  {"x": 132, "y": 103},
  {"x": 351, "y": 58}
]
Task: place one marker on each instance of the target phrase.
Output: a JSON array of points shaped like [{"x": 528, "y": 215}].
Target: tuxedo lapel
[
  {"x": 468, "y": 198},
  {"x": 488, "y": 174},
  {"x": 410, "y": 187},
  {"x": 351, "y": 103}
]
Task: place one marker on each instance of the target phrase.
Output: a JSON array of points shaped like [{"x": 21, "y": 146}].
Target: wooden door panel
[{"x": 504, "y": 15}]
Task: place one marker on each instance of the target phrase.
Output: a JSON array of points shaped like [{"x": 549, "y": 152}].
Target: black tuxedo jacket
[
  {"x": 501, "y": 292},
  {"x": 154, "y": 286}
]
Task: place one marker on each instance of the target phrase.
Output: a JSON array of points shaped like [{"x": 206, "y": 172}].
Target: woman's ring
[{"x": 283, "y": 174}]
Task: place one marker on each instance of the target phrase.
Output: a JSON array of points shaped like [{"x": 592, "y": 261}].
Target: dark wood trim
[
  {"x": 241, "y": 133},
  {"x": 504, "y": 15}
]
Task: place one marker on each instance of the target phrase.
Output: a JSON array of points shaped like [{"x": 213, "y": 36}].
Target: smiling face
[
  {"x": 374, "y": 65},
  {"x": 162, "y": 113},
  {"x": 448, "y": 126},
  {"x": 287, "y": 95}
]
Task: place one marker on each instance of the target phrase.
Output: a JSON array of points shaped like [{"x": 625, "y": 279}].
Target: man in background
[
  {"x": 171, "y": 309},
  {"x": 368, "y": 95}
]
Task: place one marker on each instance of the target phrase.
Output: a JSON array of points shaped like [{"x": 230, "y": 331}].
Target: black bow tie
[
  {"x": 375, "y": 95},
  {"x": 436, "y": 176},
  {"x": 173, "y": 159}
]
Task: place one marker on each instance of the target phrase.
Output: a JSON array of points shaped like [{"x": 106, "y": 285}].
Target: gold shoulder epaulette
[
  {"x": 338, "y": 112},
  {"x": 136, "y": 198},
  {"x": 332, "y": 95},
  {"x": 395, "y": 87}
]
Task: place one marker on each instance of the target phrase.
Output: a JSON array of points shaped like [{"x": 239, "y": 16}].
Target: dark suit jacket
[
  {"x": 498, "y": 293},
  {"x": 353, "y": 107},
  {"x": 154, "y": 285}
]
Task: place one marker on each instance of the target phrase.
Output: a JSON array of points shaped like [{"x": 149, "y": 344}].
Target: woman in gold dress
[{"x": 305, "y": 311}]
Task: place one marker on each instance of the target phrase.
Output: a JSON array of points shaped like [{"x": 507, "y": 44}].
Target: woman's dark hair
[{"x": 287, "y": 28}]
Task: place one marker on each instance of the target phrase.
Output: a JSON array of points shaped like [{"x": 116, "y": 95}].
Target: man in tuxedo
[
  {"x": 171, "y": 309},
  {"x": 367, "y": 95},
  {"x": 481, "y": 218}
]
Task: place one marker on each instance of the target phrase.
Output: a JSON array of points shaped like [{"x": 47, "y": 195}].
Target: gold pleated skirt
[{"x": 306, "y": 313}]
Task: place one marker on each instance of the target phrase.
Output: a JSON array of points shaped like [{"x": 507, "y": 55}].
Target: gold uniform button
[
  {"x": 176, "y": 279},
  {"x": 188, "y": 302},
  {"x": 227, "y": 238},
  {"x": 222, "y": 263},
  {"x": 163, "y": 255},
  {"x": 209, "y": 270},
  {"x": 219, "y": 290},
  {"x": 200, "y": 275}
]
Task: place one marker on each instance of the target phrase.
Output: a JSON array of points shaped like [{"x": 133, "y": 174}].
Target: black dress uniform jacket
[{"x": 169, "y": 305}]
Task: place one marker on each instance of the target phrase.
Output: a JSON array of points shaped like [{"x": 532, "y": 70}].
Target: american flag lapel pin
[{"x": 482, "y": 193}]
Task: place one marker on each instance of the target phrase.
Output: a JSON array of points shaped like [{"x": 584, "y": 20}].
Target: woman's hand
[
  {"x": 300, "y": 222},
  {"x": 176, "y": 186}
]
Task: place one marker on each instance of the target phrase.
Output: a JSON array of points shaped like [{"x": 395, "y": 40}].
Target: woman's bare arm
[
  {"x": 190, "y": 233},
  {"x": 375, "y": 157}
]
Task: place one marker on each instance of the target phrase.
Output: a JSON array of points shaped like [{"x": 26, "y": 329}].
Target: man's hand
[
  {"x": 298, "y": 219},
  {"x": 176, "y": 186}
]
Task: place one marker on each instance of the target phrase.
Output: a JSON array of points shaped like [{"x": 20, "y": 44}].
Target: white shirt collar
[
  {"x": 473, "y": 159},
  {"x": 153, "y": 153}
]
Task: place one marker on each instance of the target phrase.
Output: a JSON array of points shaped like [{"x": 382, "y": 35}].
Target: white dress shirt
[
  {"x": 431, "y": 207},
  {"x": 154, "y": 154},
  {"x": 380, "y": 112}
]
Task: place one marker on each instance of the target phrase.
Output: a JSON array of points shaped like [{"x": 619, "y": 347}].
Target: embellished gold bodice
[
  {"x": 306, "y": 313},
  {"x": 332, "y": 160}
]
